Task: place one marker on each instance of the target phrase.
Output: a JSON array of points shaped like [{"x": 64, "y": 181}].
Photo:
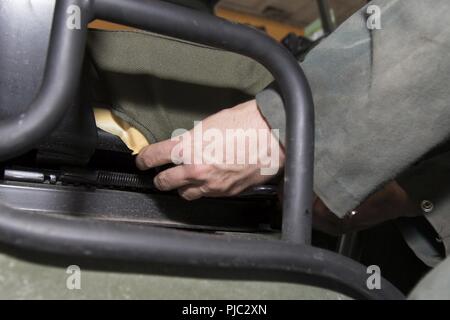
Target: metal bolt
[
  {"x": 53, "y": 179},
  {"x": 352, "y": 213},
  {"x": 427, "y": 206}
]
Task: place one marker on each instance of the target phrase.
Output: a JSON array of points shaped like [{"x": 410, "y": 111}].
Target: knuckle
[
  {"x": 206, "y": 189},
  {"x": 215, "y": 187},
  {"x": 186, "y": 195},
  {"x": 199, "y": 171}
]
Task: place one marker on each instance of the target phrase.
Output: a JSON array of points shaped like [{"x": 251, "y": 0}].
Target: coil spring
[{"x": 117, "y": 179}]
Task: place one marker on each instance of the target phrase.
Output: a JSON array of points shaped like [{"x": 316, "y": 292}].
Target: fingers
[
  {"x": 172, "y": 179},
  {"x": 195, "y": 182},
  {"x": 155, "y": 155}
]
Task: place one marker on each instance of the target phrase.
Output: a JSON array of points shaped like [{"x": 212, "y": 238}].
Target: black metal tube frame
[
  {"x": 325, "y": 16},
  {"x": 289, "y": 260}
]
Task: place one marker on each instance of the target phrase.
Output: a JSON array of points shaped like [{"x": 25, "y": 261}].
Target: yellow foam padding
[{"x": 107, "y": 121}]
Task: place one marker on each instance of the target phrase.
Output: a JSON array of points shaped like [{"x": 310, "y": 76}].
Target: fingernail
[
  {"x": 140, "y": 164},
  {"x": 156, "y": 183}
]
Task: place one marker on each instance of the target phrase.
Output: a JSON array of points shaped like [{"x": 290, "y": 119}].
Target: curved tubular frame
[
  {"x": 289, "y": 260},
  {"x": 59, "y": 85},
  {"x": 63, "y": 69},
  {"x": 185, "y": 251},
  {"x": 186, "y": 24}
]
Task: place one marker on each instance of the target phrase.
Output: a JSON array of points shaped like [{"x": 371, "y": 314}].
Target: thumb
[{"x": 156, "y": 155}]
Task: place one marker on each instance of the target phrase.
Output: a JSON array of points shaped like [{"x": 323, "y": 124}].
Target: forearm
[{"x": 380, "y": 99}]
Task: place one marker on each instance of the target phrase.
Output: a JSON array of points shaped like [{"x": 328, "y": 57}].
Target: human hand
[{"x": 222, "y": 156}]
